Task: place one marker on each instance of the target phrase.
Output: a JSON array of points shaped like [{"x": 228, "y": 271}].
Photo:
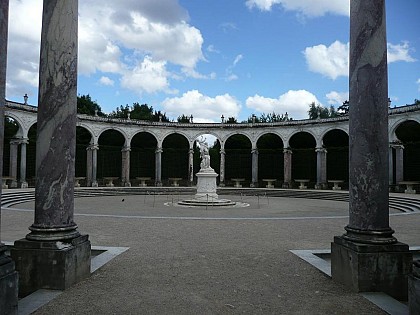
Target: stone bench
[
  {"x": 409, "y": 185},
  {"x": 336, "y": 183},
  {"x": 175, "y": 181},
  {"x": 270, "y": 182},
  {"x": 143, "y": 181},
  {"x": 110, "y": 181},
  {"x": 238, "y": 182},
  {"x": 302, "y": 183}
]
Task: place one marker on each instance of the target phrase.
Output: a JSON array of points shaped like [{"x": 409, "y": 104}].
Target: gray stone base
[
  {"x": 53, "y": 265},
  {"x": 414, "y": 289},
  {"x": 371, "y": 268},
  {"x": 286, "y": 185},
  {"x": 8, "y": 285}
]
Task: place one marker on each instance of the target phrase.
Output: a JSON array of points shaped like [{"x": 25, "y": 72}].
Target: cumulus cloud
[
  {"x": 399, "y": 52},
  {"x": 309, "y": 8},
  {"x": 294, "y": 102},
  {"x": 204, "y": 108},
  {"x": 106, "y": 81},
  {"x": 332, "y": 61},
  {"x": 114, "y": 37},
  {"x": 337, "y": 98}
]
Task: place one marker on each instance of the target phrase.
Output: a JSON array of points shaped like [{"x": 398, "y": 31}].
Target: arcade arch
[
  {"x": 304, "y": 157},
  {"x": 336, "y": 143}
]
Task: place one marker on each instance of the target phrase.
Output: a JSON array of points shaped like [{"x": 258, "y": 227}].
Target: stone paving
[{"x": 214, "y": 261}]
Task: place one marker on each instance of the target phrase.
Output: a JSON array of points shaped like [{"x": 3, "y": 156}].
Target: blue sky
[{"x": 208, "y": 58}]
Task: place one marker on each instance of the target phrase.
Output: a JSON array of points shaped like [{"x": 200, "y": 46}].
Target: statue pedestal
[{"x": 206, "y": 184}]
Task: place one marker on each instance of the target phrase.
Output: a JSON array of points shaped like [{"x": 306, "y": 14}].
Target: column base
[
  {"x": 321, "y": 186},
  {"x": 222, "y": 184},
  {"x": 254, "y": 185},
  {"x": 286, "y": 185},
  {"x": 158, "y": 184},
  {"x": 370, "y": 267},
  {"x": 13, "y": 184},
  {"x": 55, "y": 265},
  {"x": 95, "y": 184},
  {"x": 24, "y": 185},
  {"x": 126, "y": 184},
  {"x": 8, "y": 284},
  {"x": 414, "y": 289}
]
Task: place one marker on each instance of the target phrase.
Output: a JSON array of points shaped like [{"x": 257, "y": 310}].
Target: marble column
[
  {"x": 89, "y": 165},
  {"x": 22, "y": 181},
  {"x": 399, "y": 162},
  {"x": 14, "y": 143},
  {"x": 222, "y": 167},
  {"x": 390, "y": 167},
  {"x": 94, "y": 149},
  {"x": 54, "y": 254},
  {"x": 254, "y": 181},
  {"x": 367, "y": 257},
  {"x": 125, "y": 169},
  {"x": 191, "y": 166},
  {"x": 158, "y": 168},
  {"x": 287, "y": 182},
  {"x": 321, "y": 168},
  {"x": 8, "y": 275}
]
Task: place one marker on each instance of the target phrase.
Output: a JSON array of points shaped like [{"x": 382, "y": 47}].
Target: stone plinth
[
  {"x": 206, "y": 184},
  {"x": 371, "y": 268},
  {"x": 414, "y": 289},
  {"x": 8, "y": 284},
  {"x": 52, "y": 265}
]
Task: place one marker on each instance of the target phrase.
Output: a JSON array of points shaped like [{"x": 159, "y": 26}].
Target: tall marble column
[
  {"x": 287, "y": 182},
  {"x": 54, "y": 254},
  {"x": 125, "y": 170},
  {"x": 254, "y": 181},
  {"x": 191, "y": 166},
  {"x": 222, "y": 167},
  {"x": 367, "y": 257},
  {"x": 158, "y": 168},
  {"x": 390, "y": 166},
  {"x": 321, "y": 168},
  {"x": 22, "y": 181},
  {"x": 8, "y": 275},
  {"x": 14, "y": 143}
]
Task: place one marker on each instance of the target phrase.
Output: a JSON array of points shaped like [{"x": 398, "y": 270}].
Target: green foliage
[
  {"x": 231, "y": 120},
  {"x": 139, "y": 112},
  {"x": 344, "y": 108},
  {"x": 268, "y": 118},
  {"x": 183, "y": 119},
  {"x": 86, "y": 106},
  {"x": 416, "y": 102},
  {"x": 318, "y": 111}
]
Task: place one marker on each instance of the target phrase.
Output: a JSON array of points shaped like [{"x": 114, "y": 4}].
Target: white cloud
[
  {"x": 106, "y": 81},
  {"x": 399, "y": 52},
  {"x": 332, "y": 61},
  {"x": 202, "y": 107},
  {"x": 114, "y": 37},
  {"x": 310, "y": 8},
  {"x": 294, "y": 102},
  {"x": 337, "y": 98},
  {"x": 148, "y": 76}
]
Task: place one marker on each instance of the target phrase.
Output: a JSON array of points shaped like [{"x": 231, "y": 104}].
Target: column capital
[
  {"x": 254, "y": 151},
  {"x": 15, "y": 141},
  {"x": 191, "y": 151},
  {"x": 396, "y": 145},
  {"x": 92, "y": 147},
  {"x": 126, "y": 149},
  {"x": 287, "y": 151},
  {"x": 222, "y": 151},
  {"x": 159, "y": 150}
]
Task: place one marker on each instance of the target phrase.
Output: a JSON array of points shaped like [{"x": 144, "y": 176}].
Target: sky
[{"x": 209, "y": 58}]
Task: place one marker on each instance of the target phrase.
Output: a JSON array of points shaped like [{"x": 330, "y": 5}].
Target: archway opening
[
  {"x": 270, "y": 157},
  {"x": 142, "y": 155},
  {"x": 109, "y": 156},
  {"x": 11, "y": 128},
  {"x": 304, "y": 156},
  {"x": 175, "y": 158},
  {"x": 83, "y": 139},
  {"x": 409, "y": 134},
  {"x": 337, "y": 144},
  {"x": 238, "y": 160}
]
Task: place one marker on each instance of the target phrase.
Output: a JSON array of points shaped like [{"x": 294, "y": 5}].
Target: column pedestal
[
  {"x": 8, "y": 284},
  {"x": 371, "y": 268},
  {"x": 55, "y": 265},
  {"x": 414, "y": 289}
]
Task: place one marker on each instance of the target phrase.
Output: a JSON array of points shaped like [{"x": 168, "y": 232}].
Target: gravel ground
[{"x": 214, "y": 261}]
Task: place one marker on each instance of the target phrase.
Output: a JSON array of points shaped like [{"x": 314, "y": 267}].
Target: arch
[
  {"x": 304, "y": 160},
  {"x": 117, "y": 129},
  {"x": 238, "y": 159},
  {"x": 175, "y": 157},
  {"x": 270, "y": 156},
  {"x": 11, "y": 133},
  {"x": 393, "y": 128},
  {"x": 408, "y": 133},
  {"x": 83, "y": 140},
  {"x": 336, "y": 141},
  {"x": 109, "y": 158},
  {"x": 142, "y": 156}
]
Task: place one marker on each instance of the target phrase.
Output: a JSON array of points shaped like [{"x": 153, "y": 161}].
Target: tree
[
  {"x": 318, "y": 111},
  {"x": 86, "y": 106},
  {"x": 416, "y": 102},
  {"x": 120, "y": 112},
  {"x": 183, "y": 119},
  {"x": 231, "y": 120},
  {"x": 344, "y": 108}
]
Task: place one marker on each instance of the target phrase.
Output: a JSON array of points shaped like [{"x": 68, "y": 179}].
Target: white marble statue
[{"x": 204, "y": 154}]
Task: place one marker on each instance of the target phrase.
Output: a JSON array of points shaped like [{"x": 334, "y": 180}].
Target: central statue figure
[{"x": 204, "y": 154}]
